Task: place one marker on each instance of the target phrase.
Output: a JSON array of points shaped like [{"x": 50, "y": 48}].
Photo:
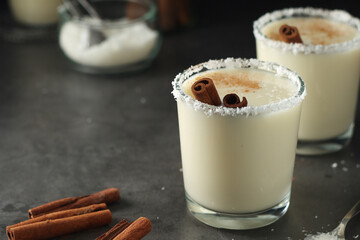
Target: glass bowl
[{"x": 128, "y": 39}]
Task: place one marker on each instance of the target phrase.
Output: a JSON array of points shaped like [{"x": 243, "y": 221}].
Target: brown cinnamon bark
[
  {"x": 232, "y": 100},
  {"x": 61, "y": 214},
  {"x": 57, "y": 227},
  {"x": 182, "y": 11},
  {"x": 137, "y": 230},
  {"x": 116, "y": 230},
  {"x": 290, "y": 34},
  {"x": 167, "y": 15},
  {"x": 205, "y": 91},
  {"x": 106, "y": 196}
]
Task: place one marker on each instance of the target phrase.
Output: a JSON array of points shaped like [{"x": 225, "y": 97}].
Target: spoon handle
[
  {"x": 92, "y": 12},
  {"x": 353, "y": 211},
  {"x": 72, "y": 8}
]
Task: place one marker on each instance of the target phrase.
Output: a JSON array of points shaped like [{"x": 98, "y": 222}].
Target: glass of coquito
[
  {"x": 238, "y": 123},
  {"x": 35, "y": 12},
  {"x": 323, "y": 46}
]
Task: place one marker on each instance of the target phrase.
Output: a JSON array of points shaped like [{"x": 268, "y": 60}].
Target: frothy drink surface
[
  {"x": 316, "y": 31},
  {"x": 259, "y": 87}
]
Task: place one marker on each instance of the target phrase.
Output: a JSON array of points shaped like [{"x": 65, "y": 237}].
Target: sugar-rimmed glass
[
  {"x": 238, "y": 163},
  {"x": 331, "y": 73}
]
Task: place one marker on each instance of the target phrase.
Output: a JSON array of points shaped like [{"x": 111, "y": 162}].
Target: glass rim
[
  {"x": 239, "y": 63},
  {"x": 117, "y": 23},
  {"x": 335, "y": 15}
]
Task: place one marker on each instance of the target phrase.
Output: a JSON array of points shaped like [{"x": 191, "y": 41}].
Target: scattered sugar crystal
[
  {"x": 356, "y": 236},
  {"x": 162, "y": 188},
  {"x": 322, "y": 236},
  {"x": 342, "y": 162},
  {"x": 157, "y": 218},
  {"x": 357, "y": 165},
  {"x": 334, "y": 165},
  {"x": 316, "y": 216},
  {"x": 272, "y": 229},
  {"x": 345, "y": 169}
]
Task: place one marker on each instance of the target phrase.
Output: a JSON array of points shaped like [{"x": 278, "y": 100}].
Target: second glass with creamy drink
[
  {"x": 238, "y": 123},
  {"x": 327, "y": 57}
]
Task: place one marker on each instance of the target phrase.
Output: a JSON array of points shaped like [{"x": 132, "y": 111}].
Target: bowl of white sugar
[{"x": 120, "y": 37}]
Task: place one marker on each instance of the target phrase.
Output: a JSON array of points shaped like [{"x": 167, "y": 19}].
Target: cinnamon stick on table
[
  {"x": 114, "y": 231},
  {"x": 61, "y": 214},
  {"x": 126, "y": 231},
  {"x": 106, "y": 196},
  {"x": 51, "y": 228}
]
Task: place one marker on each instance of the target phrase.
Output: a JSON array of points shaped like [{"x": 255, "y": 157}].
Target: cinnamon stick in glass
[
  {"x": 106, "y": 196},
  {"x": 290, "y": 34},
  {"x": 205, "y": 91},
  {"x": 57, "y": 227},
  {"x": 232, "y": 100}
]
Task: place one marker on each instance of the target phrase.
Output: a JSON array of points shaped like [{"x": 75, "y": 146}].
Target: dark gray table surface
[{"x": 64, "y": 133}]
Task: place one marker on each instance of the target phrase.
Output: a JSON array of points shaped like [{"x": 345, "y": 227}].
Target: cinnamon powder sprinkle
[
  {"x": 233, "y": 80},
  {"x": 316, "y": 31}
]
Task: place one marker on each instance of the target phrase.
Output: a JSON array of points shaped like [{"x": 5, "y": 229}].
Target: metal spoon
[
  {"x": 339, "y": 231},
  {"x": 95, "y": 36}
]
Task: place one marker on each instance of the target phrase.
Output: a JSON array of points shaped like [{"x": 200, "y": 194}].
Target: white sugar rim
[
  {"x": 238, "y": 63},
  {"x": 336, "y": 15}
]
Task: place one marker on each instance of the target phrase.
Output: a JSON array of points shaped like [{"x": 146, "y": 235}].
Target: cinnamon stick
[
  {"x": 57, "y": 227},
  {"x": 106, "y": 196},
  {"x": 205, "y": 91},
  {"x": 137, "y": 230},
  {"x": 167, "y": 15},
  {"x": 126, "y": 231},
  {"x": 61, "y": 214},
  {"x": 290, "y": 34},
  {"x": 232, "y": 100},
  {"x": 114, "y": 231}
]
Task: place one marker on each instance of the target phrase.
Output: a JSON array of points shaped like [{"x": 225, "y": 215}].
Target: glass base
[
  {"x": 237, "y": 221},
  {"x": 325, "y": 146},
  {"x": 127, "y": 69}
]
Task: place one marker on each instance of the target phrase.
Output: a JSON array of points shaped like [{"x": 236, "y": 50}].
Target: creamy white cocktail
[
  {"x": 238, "y": 162},
  {"x": 328, "y": 60},
  {"x": 35, "y": 12}
]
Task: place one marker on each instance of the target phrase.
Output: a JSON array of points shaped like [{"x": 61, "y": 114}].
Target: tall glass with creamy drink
[
  {"x": 328, "y": 60},
  {"x": 238, "y": 161}
]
